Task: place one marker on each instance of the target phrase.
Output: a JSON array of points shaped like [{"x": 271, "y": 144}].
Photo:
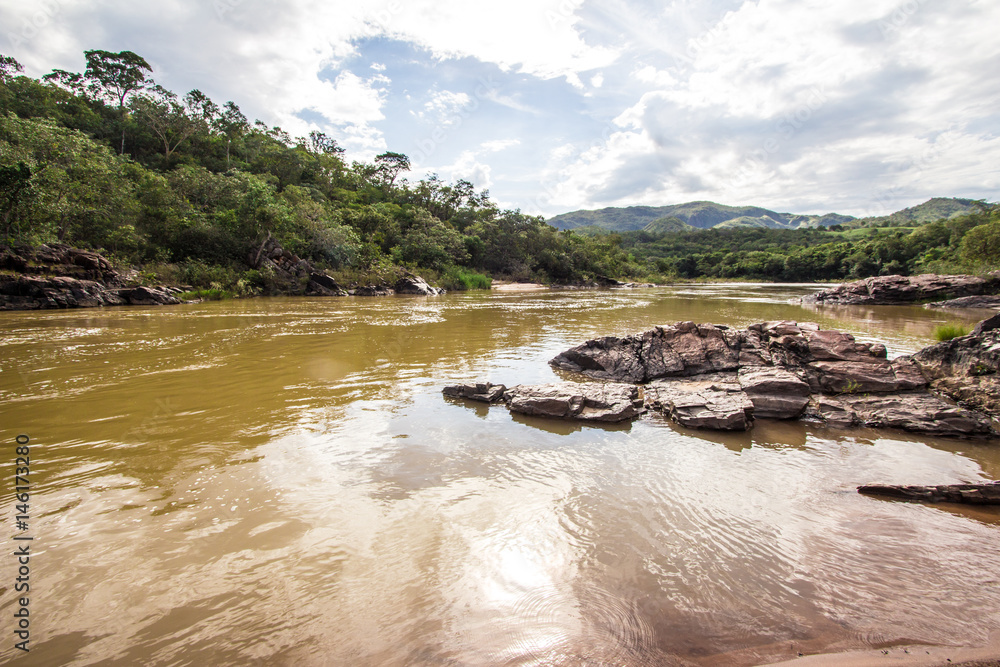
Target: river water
[{"x": 280, "y": 482}]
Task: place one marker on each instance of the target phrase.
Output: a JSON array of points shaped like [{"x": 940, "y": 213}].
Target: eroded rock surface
[
  {"x": 973, "y": 494},
  {"x": 713, "y": 401},
  {"x": 484, "y": 392},
  {"x": 966, "y": 368},
  {"x": 586, "y": 401},
  {"x": 990, "y": 302},
  {"x": 918, "y": 411},
  {"x": 906, "y": 289}
]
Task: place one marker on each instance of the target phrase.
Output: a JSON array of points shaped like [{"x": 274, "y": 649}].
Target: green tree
[
  {"x": 981, "y": 245},
  {"x": 390, "y": 165}
]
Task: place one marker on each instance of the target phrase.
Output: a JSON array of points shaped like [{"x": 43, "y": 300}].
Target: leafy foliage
[{"x": 196, "y": 187}]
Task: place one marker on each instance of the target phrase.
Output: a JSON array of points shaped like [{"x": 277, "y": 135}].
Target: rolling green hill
[
  {"x": 699, "y": 214},
  {"x": 937, "y": 208}
]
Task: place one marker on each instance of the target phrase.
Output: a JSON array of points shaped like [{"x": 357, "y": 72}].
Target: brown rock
[
  {"x": 906, "y": 289},
  {"x": 711, "y": 402},
  {"x": 917, "y": 411},
  {"x": 774, "y": 392},
  {"x": 587, "y": 401},
  {"x": 485, "y": 392},
  {"x": 973, "y": 494},
  {"x": 965, "y": 368},
  {"x": 980, "y": 301}
]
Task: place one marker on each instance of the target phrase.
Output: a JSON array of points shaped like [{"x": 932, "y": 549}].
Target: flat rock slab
[
  {"x": 585, "y": 401},
  {"x": 484, "y": 392},
  {"x": 916, "y": 411},
  {"x": 711, "y": 402},
  {"x": 906, "y": 289},
  {"x": 991, "y": 302},
  {"x": 973, "y": 494}
]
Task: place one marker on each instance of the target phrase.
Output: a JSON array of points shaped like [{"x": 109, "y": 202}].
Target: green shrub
[
  {"x": 206, "y": 295},
  {"x": 457, "y": 278},
  {"x": 949, "y": 331}
]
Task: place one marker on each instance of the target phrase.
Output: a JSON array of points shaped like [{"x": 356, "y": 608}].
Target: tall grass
[
  {"x": 457, "y": 278},
  {"x": 948, "y": 331}
]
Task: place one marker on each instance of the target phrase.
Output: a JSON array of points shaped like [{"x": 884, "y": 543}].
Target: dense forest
[{"x": 187, "y": 189}]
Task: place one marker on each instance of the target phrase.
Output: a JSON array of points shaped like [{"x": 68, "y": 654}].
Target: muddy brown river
[{"x": 280, "y": 482}]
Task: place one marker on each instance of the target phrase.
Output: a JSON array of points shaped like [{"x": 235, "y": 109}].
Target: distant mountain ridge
[{"x": 708, "y": 215}]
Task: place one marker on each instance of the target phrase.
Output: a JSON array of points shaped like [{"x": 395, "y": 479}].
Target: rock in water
[
  {"x": 485, "y": 392},
  {"x": 973, "y": 494},
  {"x": 711, "y": 401},
  {"x": 991, "y": 302},
  {"x": 883, "y": 290},
  {"x": 586, "y": 401},
  {"x": 774, "y": 392},
  {"x": 917, "y": 411}
]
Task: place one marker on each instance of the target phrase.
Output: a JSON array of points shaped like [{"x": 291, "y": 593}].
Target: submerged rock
[
  {"x": 973, "y": 494},
  {"x": 906, "y": 289}
]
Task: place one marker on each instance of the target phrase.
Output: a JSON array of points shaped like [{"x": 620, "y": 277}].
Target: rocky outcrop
[
  {"x": 40, "y": 292},
  {"x": 966, "y": 368},
  {"x": 775, "y": 393},
  {"x": 586, "y": 401},
  {"x": 715, "y": 377},
  {"x": 828, "y": 361},
  {"x": 973, "y": 494},
  {"x": 985, "y": 302},
  {"x": 412, "y": 284},
  {"x": 883, "y": 290}
]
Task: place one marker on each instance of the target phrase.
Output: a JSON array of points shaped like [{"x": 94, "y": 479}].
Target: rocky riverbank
[
  {"x": 715, "y": 377},
  {"x": 889, "y": 290},
  {"x": 58, "y": 276}
]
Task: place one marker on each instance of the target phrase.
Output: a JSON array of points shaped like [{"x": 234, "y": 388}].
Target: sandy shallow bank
[
  {"x": 503, "y": 286},
  {"x": 909, "y": 656}
]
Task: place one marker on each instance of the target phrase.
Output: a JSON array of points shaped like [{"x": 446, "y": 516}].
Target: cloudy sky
[{"x": 854, "y": 106}]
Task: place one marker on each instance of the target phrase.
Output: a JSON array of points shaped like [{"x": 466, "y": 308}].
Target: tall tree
[
  {"x": 320, "y": 143},
  {"x": 8, "y": 68},
  {"x": 109, "y": 77},
  {"x": 169, "y": 120},
  {"x": 232, "y": 124},
  {"x": 390, "y": 165}
]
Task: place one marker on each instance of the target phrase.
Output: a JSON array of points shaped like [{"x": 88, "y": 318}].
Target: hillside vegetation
[{"x": 189, "y": 189}]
